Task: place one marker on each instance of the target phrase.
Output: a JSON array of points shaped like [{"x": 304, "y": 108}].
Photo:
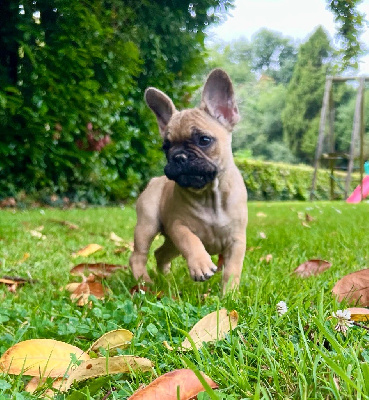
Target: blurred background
[{"x": 73, "y": 123}]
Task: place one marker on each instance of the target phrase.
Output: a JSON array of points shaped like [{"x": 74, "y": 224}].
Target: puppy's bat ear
[
  {"x": 161, "y": 105},
  {"x": 218, "y": 99}
]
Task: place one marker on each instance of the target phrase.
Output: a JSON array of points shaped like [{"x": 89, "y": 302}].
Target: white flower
[
  {"x": 282, "y": 308},
  {"x": 343, "y": 320}
]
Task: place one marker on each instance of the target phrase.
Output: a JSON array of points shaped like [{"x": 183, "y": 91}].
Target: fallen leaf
[
  {"x": 71, "y": 287},
  {"x": 33, "y": 357},
  {"x": 354, "y": 288},
  {"x": 68, "y": 224},
  {"x": 309, "y": 218},
  {"x": 85, "y": 289},
  {"x": 312, "y": 267},
  {"x": 119, "y": 338},
  {"x": 108, "y": 365},
  {"x": 168, "y": 385},
  {"x": 300, "y": 215},
  {"x": 253, "y": 248},
  {"x": 36, "y": 382},
  {"x": 261, "y": 215},
  {"x": 359, "y": 314},
  {"x": 262, "y": 235},
  {"x": 212, "y": 327},
  {"x": 306, "y": 225},
  {"x": 268, "y": 258},
  {"x": 88, "y": 250},
  {"x": 7, "y": 281},
  {"x": 37, "y": 234},
  {"x": 19, "y": 279},
  {"x": 100, "y": 270}
]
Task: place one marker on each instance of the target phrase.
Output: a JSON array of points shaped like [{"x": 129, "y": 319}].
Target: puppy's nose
[{"x": 180, "y": 158}]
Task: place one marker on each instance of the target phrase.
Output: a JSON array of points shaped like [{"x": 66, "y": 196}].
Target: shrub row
[{"x": 279, "y": 181}]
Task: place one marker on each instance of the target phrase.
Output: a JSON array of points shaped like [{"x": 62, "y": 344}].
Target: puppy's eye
[
  {"x": 166, "y": 145},
  {"x": 205, "y": 140}
]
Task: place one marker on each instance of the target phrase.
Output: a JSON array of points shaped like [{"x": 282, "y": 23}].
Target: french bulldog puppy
[{"x": 200, "y": 205}]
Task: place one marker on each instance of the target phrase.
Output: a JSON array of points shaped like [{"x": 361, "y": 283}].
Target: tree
[
  {"x": 72, "y": 77},
  {"x": 304, "y": 95},
  {"x": 351, "y": 25},
  {"x": 273, "y": 55}
]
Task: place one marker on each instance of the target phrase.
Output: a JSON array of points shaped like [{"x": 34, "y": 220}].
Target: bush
[{"x": 279, "y": 181}]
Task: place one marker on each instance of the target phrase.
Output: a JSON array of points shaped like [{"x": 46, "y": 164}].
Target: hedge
[{"x": 279, "y": 181}]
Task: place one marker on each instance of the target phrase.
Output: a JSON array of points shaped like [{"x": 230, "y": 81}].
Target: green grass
[{"x": 296, "y": 356}]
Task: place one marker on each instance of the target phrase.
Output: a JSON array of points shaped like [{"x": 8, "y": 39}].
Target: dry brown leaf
[
  {"x": 253, "y": 248},
  {"x": 359, "y": 314},
  {"x": 71, "y": 287},
  {"x": 354, "y": 288},
  {"x": 100, "y": 270},
  {"x": 68, "y": 224},
  {"x": 36, "y": 382},
  {"x": 88, "y": 250},
  {"x": 268, "y": 258},
  {"x": 167, "y": 386},
  {"x": 108, "y": 365},
  {"x": 7, "y": 281},
  {"x": 312, "y": 267},
  {"x": 212, "y": 327},
  {"x": 85, "y": 289},
  {"x": 116, "y": 239},
  {"x": 33, "y": 357},
  {"x": 309, "y": 218},
  {"x": 119, "y": 338}
]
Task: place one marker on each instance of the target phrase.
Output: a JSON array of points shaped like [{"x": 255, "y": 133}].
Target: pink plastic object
[{"x": 356, "y": 194}]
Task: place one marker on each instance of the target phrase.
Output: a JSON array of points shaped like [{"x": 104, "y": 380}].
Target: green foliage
[
  {"x": 280, "y": 181},
  {"x": 351, "y": 25},
  {"x": 305, "y": 95},
  {"x": 72, "y": 77}
]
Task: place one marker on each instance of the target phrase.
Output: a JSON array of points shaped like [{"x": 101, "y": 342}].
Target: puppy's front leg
[
  {"x": 190, "y": 246},
  {"x": 233, "y": 263}
]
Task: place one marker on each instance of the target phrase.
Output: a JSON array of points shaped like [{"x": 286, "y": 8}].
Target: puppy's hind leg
[
  {"x": 165, "y": 254},
  {"x": 148, "y": 226}
]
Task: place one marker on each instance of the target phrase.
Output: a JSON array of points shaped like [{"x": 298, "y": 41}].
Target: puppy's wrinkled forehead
[{"x": 183, "y": 124}]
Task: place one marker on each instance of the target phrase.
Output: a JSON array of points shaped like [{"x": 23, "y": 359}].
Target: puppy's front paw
[{"x": 201, "y": 269}]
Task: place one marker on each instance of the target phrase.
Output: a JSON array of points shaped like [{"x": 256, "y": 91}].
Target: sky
[{"x": 293, "y": 18}]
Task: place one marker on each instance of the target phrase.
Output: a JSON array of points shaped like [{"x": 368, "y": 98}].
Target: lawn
[{"x": 297, "y": 356}]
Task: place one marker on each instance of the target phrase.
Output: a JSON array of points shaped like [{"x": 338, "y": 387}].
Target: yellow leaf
[
  {"x": 40, "y": 357},
  {"x": 107, "y": 365},
  {"x": 119, "y": 338},
  {"x": 36, "y": 382},
  {"x": 88, "y": 250},
  {"x": 359, "y": 314},
  {"x": 212, "y": 327}
]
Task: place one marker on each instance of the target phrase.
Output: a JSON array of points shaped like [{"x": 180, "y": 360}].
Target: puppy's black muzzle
[{"x": 189, "y": 170}]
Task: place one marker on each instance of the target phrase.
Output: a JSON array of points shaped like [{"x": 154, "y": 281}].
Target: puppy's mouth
[{"x": 194, "y": 179}]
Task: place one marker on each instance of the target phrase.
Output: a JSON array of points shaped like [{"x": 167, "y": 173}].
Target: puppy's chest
[{"x": 213, "y": 229}]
